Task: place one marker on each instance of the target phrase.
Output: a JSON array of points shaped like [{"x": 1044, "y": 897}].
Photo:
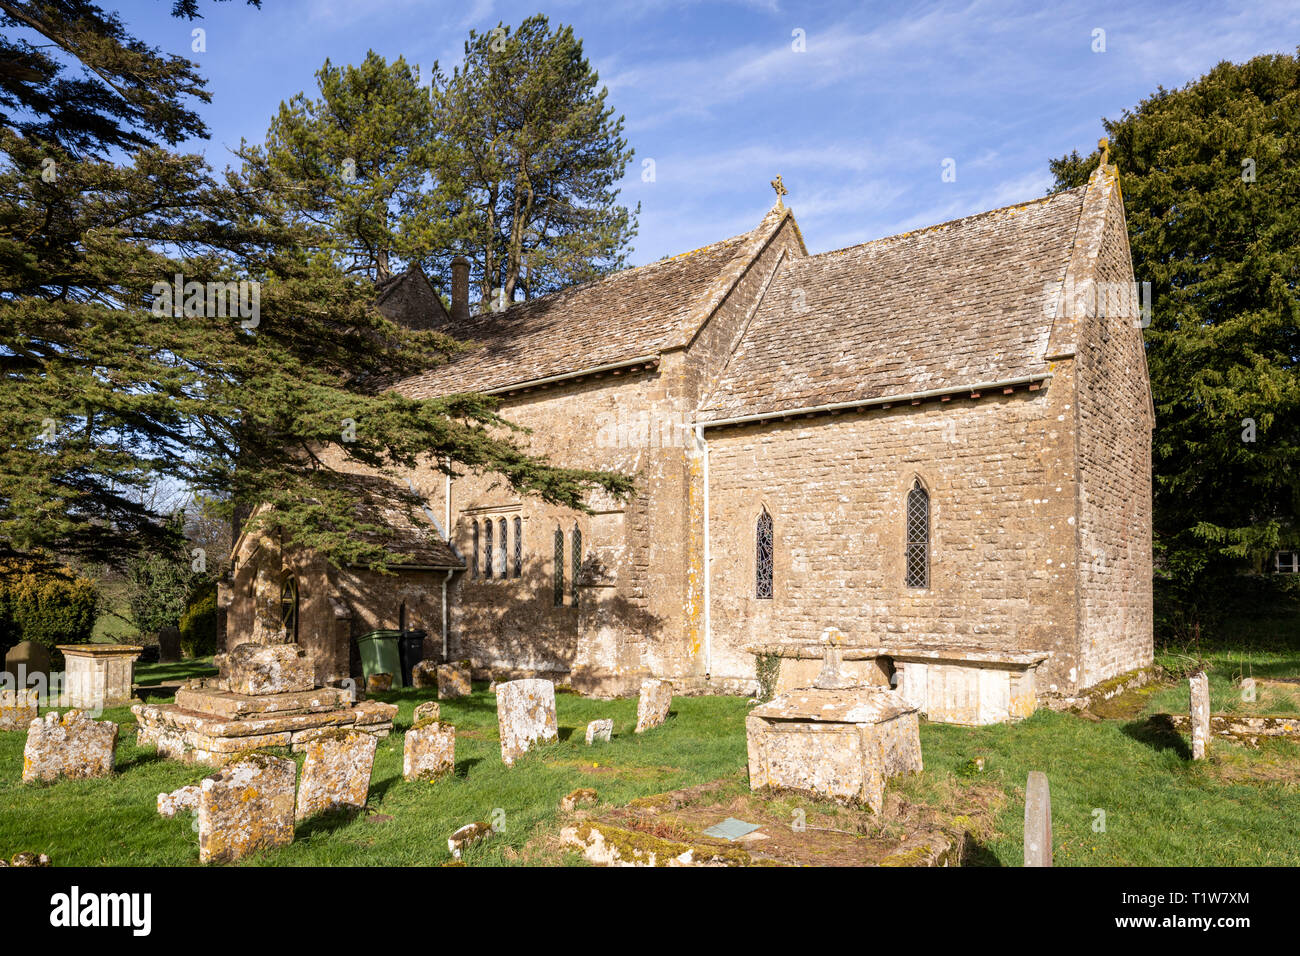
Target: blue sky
[{"x": 858, "y": 123}]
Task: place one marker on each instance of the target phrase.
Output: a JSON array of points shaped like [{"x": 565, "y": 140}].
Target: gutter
[
  {"x": 871, "y": 402},
  {"x": 581, "y": 373}
]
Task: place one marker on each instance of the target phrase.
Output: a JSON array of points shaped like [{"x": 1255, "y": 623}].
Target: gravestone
[
  {"x": 260, "y": 669},
  {"x": 467, "y": 835},
  {"x": 72, "y": 746},
  {"x": 453, "y": 680},
  {"x": 424, "y": 674},
  {"x": 525, "y": 715},
  {"x": 246, "y": 807},
  {"x": 336, "y": 773},
  {"x": 1038, "y": 820},
  {"x": 1198, "y": 686},
  {"x": 652, "y": 706},
  {"x": 599, "y": 730},
  {"x": 429, "y": 751},
  {"x": 169, "y": 645},
  {"x": 27, "y": 659},
  {"x": 379, "y": 683},
  {"x": 18, "y": 708},
  {"x": 429, "y": 710}
]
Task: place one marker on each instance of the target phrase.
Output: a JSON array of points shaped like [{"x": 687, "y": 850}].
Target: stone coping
[
  {"x": 100, "y": 650},
  {"x": 950, "y": 653}
]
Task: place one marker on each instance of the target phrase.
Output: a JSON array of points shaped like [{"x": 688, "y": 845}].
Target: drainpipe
[
  {"x": 445, "y": 582},
  {"x": 446, "y": 500},
  {"x": 703, "y": 447}
]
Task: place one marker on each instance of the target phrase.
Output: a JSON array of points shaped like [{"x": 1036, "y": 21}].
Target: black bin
[{"x": 411, "y": 647}]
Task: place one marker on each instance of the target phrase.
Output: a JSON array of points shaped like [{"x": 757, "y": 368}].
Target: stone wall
[
  {"x": 999, "y": 474},
  {"x": 1114, "y": 422}
]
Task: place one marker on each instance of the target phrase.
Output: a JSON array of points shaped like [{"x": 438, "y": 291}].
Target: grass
[{"x": 1240, "y": 808}]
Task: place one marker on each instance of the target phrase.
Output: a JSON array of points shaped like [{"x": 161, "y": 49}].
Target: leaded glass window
[
  {"x": 473, "y": 563},
  {"x": 577, "y": 560},
  {"x": 519, "y": 546},
  {"x": 918, "y": 537},
  {"x": 763, "y": 557},
  {"x": 559, "y": 567},
  {"x": 487, "y": 548},
  {"x": 503, "y": 547},
  {"x": 289, "y": 607}
]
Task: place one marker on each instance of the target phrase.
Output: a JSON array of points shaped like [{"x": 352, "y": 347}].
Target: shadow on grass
[
  {"x": 975, "y": 853},
  {"x": 141, "y": 759},
  {"x": 1158, "y": 733},
  {"x": 463, "y": 767},
  {"x": 326, "y": 822}
]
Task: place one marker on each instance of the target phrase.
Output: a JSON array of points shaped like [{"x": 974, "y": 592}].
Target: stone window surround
[{"x": 485, "y": 524}]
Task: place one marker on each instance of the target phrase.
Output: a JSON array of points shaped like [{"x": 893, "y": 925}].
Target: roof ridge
[{"x": 950, "y": 222}]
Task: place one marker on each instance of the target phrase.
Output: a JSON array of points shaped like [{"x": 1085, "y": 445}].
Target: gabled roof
[
  {"x": 624, "y": 316},
  {"x": 410, "y": 299},
  {"x": 963, "y": 303},
  {"x": 412, "y": 531}
]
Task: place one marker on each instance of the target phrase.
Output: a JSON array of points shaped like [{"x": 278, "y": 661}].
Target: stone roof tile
[{"x": 961, "y": 303}]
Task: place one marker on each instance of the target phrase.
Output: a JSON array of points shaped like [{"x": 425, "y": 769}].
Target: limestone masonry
[{"x": 938, "y": 442}]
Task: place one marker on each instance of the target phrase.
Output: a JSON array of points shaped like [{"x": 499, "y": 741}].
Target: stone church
[{"x": 938, "y": 443}]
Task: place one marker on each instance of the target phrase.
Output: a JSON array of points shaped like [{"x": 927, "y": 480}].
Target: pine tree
[
  {"x": 1210, "y": 175},
  {"x": 527, "y": 161},
  {"x": 356, "y": 160}
]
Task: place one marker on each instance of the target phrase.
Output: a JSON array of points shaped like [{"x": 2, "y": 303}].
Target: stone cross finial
[
  {"x": 1104, "y": 145},
  {"x": 780, "y": 189}
]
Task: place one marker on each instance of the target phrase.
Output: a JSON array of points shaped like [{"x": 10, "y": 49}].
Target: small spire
[
  {"x": 780, "y": 189},
  {"x": 1104, "y": 145}
]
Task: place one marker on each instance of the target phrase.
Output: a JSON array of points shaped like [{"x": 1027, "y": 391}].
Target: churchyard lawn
[{"x": 1240, "y": 808}]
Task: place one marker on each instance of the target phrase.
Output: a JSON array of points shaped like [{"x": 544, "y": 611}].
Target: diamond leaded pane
[
  {"x": 918, "y": 538},
  {"x": 502, "y": 548},
  {"x": 487, "y": 548},
  {"x": 474, "y": 553},
  {"x": 577, "y": 559},
  {"x": 763, "y": 557},
  {"x": 559, "y": 567},
  {"x": 519, "y": 546}
]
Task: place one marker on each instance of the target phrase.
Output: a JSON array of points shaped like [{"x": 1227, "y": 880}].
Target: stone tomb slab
[
  {"x": 99, "y": 676},
  {"x": 840, "y": 744},
  {"x": 336, "y": 773},
  {"x": 246, "y": 807},
  {"x": 72, "y": 746},
  {"x": 525, "y": 715},
  {"x": 258, "y": 669}
]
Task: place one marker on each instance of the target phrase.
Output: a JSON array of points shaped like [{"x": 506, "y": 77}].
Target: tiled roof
[
  {"x": 410, "y": 531},
  {"x": 956, "y": 304},
  {"x": 627, "y": 315}
]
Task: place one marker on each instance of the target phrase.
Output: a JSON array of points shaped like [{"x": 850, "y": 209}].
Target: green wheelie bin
[{"x": 380, "y": 655}]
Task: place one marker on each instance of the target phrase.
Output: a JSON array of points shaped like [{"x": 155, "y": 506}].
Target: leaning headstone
[
  {"x": 18, "y": 708},
  {"x": 652, "y": 706},
  {"x": 336, "y": 773},
  {"x": 453, "y": 680},
  {"x": 169, "y": 644},
  {"x": 1038, "y": 820},
  {"x": 429, "y": 751},
  {"x": 429, "y": 710},
  {"x": 424, "y": 674},
  {"x": 246, "y": 807},
  {"x": 467, "y": 835},
  {"x": 186, "y": 798},
  {"x": 1198, "y": 686},
  {"x": 27, "y": 659},
  {"x": 72, "y": 746},
  {"x": 525, "y": 715},
  {"x": 599, "y": 730}
]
